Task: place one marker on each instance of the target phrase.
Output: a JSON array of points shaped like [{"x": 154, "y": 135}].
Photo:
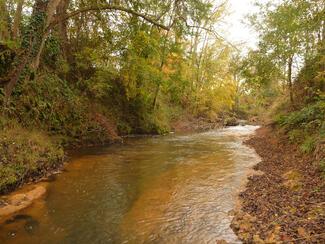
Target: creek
[{"x": 170, "y": 189}]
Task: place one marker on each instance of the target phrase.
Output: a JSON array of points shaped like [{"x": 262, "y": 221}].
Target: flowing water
[{"x": 172, "y": 189}]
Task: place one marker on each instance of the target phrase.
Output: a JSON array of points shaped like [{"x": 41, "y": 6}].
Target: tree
[
  {"x": 288, "y": 31},
  {"x": 41, "y": 22}
]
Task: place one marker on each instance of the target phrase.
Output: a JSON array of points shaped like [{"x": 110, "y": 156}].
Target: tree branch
[
  {"x": 217, "y": 35},
  {"x": 108, "y": 7}
]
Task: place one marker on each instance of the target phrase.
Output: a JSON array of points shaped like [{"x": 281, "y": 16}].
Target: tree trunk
[
  {"x": 8, "y": 88},
  {"x": 163, "y": 60},
  {"x": 290, "y": 61},
  {"x": 156, "y": 97},
  {"x": 50, "y": 11},
  {"x": 237, "y": 95},
  {"x": 30, "y": 46},
  {"x": 323, "y": 32},
  {"x": 4, "y": 17},
  {"x": 62, "y": 28},
  {"x": 17, "y": 20}
]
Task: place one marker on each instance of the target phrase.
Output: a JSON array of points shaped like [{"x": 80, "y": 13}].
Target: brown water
[{"x": 172, "y": 189}]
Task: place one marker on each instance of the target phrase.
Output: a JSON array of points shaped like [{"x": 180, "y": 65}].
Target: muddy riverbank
[{"x": 20, "y": 199}]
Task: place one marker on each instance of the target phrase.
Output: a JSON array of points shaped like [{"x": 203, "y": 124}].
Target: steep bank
[
  {"x": 28, "y": 155},
  {"x": 286, "y": 203}
]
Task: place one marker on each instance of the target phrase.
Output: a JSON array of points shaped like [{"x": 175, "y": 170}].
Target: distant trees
[{"x": 291, "y": 33}]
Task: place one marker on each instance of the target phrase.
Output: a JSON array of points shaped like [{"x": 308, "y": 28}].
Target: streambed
[{"x": 171, "y": 189}]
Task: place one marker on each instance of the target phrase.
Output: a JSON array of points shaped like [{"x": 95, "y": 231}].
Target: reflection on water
[{"x": 174, "y": 189}]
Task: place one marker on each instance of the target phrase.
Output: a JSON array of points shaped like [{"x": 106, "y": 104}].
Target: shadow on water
[{"x": 172, "y": 189}]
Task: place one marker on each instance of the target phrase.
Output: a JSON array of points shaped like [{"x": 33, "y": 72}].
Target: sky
[{"x": 236, "y": 30}]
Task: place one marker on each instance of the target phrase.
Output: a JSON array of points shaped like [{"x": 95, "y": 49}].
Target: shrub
[
  {"x": 310, "y": 116},
  {"x": 305, "y": 126},
  {"x": 50, "y": 104}
]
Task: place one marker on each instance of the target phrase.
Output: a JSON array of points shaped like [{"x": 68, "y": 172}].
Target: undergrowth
[
  {"x": 25, "y": 154},
  {"x": 306, "y": 126}
]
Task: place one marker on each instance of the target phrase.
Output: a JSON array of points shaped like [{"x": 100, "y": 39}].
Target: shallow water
[{"x": 172, "y": 189}]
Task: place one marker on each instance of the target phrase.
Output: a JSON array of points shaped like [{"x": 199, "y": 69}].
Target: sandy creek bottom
[{"x": 171, "y": 189}]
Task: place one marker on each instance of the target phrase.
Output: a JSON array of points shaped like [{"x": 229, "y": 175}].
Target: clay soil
[{"x": 285, "y": 204}]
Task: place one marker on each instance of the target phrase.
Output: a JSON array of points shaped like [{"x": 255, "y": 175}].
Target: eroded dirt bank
[{"x": 286, "y": 204}]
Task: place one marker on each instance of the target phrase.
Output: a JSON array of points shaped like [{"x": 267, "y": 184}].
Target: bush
[
  {"x": 50, "y": 104},
  {"x": 312, "y": 116},
  {"x": 305, "y": 126},
  {"x": 25, "y": 154}
]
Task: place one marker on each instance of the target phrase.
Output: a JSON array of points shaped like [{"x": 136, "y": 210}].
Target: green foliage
[
  {"x": 290, "y": 33},
  {"x": 125, "y": 65},
  {"x": 99, "y": 85},
  {"x": 6, "y": 57},
  {"x": 52, "y": 51},
  {"x": 311, "y": 85},
  {"x": 259, "y": 70},
  {"x": 305, "y": 126},
  {"x": 49, "y": 103},
  {"x": 309, "y": 117},
  {"x": 296, "y": 135},
  {"x": 308, "y": 145}
]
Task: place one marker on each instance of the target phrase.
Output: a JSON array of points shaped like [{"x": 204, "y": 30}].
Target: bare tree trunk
[
  {"x": 4, "y": 28},
  {"x": 62, "y": 28},
  {"x": 290, "y": 61},
  {"x": 17, "y": 20},
  {"x": 156, "y": 97},
  {"x": 323, "y": 32},
  {"x": 237, "y": 95},
  {"x": 164, "y": 56},
  {"x": 50, "y": 11},
  {"x": 201, "y": 59}
]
